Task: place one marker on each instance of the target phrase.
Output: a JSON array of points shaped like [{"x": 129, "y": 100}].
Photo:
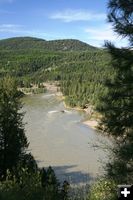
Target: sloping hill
[
  {"x": 20, "y": 43},
  {"x": 68, "y": 45}
]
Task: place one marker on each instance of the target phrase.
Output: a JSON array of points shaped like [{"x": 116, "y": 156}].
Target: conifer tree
[
  {"x": 121, "y": 17},
  {"x": 13, "y": 142},
  {"x": 116, "y": 105},
  {"x": 50, "y": 184},
  {"x": 64, "y": 191}
]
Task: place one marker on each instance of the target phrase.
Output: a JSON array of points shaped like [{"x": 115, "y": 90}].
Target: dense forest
[
  {"x": 81, "y": 70},
  {"x": 20, "y": 43}
]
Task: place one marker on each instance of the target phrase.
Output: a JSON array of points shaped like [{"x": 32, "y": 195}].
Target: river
[{"x": 61, "y": 140}]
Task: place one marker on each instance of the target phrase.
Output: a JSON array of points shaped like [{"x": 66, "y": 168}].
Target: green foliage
[
  {"x": 120, "y": 165},
  {"x": 103, "y": 189},
  {"x": 28, "y": 162},
  {"x": 28, "y": 43},
  {"x": 28, "y": 187},
  {"x": 65, "y": 190},
  {"x": 26, "y": 62},
  {"x": 116, "y": 105},
  {"x": 120, "y": 15},
  {"x": 50, "y": 184},
  {"x": 82, "y": 79},
  {"x": 32, "y": 185},
  {"x": 81, "y": 70},
  {"x": 13, "y": 142},
  {"x": 32, "y": 90}
]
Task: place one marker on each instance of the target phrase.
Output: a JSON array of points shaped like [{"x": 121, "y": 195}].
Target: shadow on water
[{"x": 73, "y": 177}]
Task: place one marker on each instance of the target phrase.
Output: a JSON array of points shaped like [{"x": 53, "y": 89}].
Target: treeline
[
  {"x": 81, "y": 74},
  {"x": 82, "y": 80},
  {"x": 23, "y": 63},
  {"x": 33, "y": 185},
  {"x": 27, "y": 43}
]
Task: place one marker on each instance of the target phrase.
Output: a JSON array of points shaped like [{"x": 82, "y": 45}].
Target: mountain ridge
[{"x": 19, "y": 43}]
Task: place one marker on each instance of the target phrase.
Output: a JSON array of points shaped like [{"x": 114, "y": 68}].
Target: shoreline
[
  {"x": 53, "y": 87},
  {"x": 91, "y": 123}
]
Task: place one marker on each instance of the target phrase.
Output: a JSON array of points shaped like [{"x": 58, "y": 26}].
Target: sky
[{"x": 84, "y": 20}]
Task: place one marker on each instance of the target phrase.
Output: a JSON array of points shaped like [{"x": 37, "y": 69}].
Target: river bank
[
  {"x": 54, "y": 88},
  {"x": 33, "y": 89},
  {"x": 92, "y": 121}
]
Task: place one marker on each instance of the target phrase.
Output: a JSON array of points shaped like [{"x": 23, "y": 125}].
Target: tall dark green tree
[
  {"x": 121, "y": 16},
  {"x": 65, "y": 190},
  {"x": 116, "y": 105},
  {"x": 50, "y": 184},
  {"x": 13, "y": 142}
]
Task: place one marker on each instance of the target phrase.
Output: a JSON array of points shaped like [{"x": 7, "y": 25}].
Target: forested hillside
[
  {"x": 19, "y": 43},
  {"x": 81, "y": 70}
]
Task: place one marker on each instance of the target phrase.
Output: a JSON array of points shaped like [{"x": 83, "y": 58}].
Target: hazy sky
[{"x": 57, "y": 19}]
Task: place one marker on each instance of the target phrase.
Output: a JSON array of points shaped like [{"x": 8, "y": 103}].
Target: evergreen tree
[
  {"x": 50, "y": 184},
  {"x": 13, "y": 142},
  {"x": 28, "y": 162},
  {"x": 43, "y": 178},
  {"x": 121, "y": 16},
  {"x": 64, "y": 191},
  {"x": 116, "y": 105}
]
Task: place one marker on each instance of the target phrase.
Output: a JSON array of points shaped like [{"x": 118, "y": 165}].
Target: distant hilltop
[{"x": 19, "y": 43}]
